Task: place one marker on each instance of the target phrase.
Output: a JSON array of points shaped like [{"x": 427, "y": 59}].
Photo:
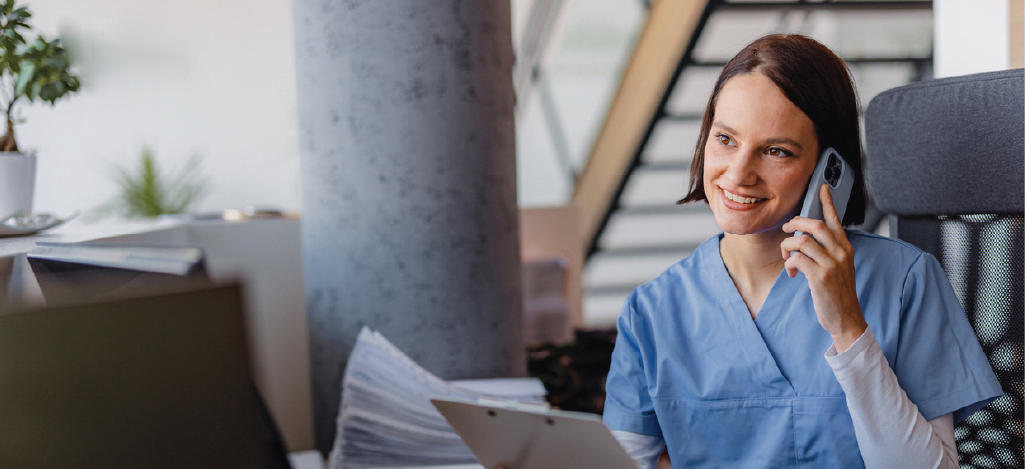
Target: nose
[{"x": 742, "y": 170}]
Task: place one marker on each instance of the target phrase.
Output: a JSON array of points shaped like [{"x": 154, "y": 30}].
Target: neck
[{"x": 753, "y": 260}]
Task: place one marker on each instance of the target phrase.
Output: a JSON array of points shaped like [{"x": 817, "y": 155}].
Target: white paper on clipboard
[{"x": 519, "y": 436}]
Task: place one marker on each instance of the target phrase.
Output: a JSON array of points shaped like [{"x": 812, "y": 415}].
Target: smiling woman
[
  {"x": 761, "y": 147},
  {"x": 834, "y": 348},
  {"x": 813, "y": 82}
]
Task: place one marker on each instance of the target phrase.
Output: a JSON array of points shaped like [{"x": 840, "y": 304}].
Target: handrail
[{"x": 536, "y": 35}]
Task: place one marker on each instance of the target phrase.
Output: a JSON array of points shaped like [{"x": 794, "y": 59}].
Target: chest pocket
[
  {"x": 824, "y": 433},
  {"x": 814, "y": 432},
  {"x": 728, "y": 433}
]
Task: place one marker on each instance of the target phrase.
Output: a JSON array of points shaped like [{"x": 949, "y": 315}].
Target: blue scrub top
[{"x": 724, "y": 390}]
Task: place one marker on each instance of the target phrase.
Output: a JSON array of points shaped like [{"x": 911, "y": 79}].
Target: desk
[{"x": 264, "y": 254}]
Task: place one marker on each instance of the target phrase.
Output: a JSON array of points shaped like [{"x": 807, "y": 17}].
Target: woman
[{"x": 721, "y": 357}]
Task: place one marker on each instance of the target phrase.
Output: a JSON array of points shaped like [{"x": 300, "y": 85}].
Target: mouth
[{"x": 739, "y": 198}]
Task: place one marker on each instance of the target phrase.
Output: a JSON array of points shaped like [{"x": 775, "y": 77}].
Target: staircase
[{"x": 640, "y": 163}]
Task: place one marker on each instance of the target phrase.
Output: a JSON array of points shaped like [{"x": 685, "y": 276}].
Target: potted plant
[
  {"x": 30, "y": 70},
  {"x": 147, "y": 190}
]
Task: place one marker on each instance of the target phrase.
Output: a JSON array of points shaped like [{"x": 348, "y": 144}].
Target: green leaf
[
  {"x": 38, "y": 68},
  {"x": 50, "y": 77},
  {"x": 24, "y": 78}
]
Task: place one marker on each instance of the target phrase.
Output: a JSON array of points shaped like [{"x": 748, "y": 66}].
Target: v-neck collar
[
  {"x": 750, "y": 330},
  {"x": 781, "y": 288}
]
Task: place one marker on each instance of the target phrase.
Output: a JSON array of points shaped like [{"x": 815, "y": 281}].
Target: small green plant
[
  {"x": 147, "y": 191},
  {"x": 38, "y": 69}
]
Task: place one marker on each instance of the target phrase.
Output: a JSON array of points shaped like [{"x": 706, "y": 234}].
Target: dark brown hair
[{"x": 818, "y": 82}]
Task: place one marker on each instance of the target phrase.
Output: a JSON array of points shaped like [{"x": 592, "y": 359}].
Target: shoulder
[
  {"x": 679, "y": 282},
  {"x": 876, "y": 242},
  {"x": 875, "y": 252},
  {"x": 693, "y": 267}
]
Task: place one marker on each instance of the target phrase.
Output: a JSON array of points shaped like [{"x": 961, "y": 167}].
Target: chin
[
  {"x": 737, "y": 222},
  {"x": 734, "y": 226}
]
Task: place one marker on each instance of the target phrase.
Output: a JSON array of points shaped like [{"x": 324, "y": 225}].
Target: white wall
[
  {"x": 972, "y": 36},
  {"x": 184, "y": 77},
  {"x": 217, "y": 78}
]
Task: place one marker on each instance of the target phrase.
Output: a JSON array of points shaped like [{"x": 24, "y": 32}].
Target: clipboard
[{"x": 530, "y": 436}]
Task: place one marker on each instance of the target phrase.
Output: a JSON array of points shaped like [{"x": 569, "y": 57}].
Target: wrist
[{"x": 848, "y": 334}]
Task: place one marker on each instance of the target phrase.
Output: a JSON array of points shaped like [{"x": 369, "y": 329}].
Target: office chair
[{"x": 945, "y": 158}]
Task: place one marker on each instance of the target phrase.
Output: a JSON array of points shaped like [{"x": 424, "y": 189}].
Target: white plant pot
[{"x": 17, "y": 183}]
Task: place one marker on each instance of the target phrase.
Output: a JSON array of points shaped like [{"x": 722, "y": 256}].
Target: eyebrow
[{"x": 771, "y": 141}]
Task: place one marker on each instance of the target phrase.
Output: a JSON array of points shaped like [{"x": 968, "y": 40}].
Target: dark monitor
[{"x": 160, "y": 381}]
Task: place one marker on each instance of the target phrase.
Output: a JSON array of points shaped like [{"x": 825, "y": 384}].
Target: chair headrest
[{"x": 951, "y": 146}]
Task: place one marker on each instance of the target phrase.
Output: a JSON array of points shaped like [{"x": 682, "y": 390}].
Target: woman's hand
[{"x": 829, "y": 266}]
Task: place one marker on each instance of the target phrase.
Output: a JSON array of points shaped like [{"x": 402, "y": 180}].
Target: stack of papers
[
  {"x": 156, "y": 259},
  {"x": 387, "y": 419}
]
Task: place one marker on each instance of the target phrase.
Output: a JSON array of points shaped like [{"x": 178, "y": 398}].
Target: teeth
[{"x": 739, "y": 199}]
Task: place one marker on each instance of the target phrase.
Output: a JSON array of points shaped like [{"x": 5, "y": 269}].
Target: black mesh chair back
[{"x": 946, "y": 159}]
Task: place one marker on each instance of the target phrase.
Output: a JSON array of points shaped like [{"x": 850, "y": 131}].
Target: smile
[{"x": 740, "y": 199}]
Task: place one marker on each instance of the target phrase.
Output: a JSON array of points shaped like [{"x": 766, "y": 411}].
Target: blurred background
[
  {"x": 609, "y": 97},
  {"x": 215, "y": 78}
]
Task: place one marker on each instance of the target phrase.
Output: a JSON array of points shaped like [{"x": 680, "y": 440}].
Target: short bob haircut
[{"x": 818, "y": 82}]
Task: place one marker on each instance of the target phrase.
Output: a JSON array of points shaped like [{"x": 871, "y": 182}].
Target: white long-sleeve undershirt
[{"x": 890, "y": 430}]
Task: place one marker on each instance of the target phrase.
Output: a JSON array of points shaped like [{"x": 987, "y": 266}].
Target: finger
[
  {"x": 807, "y": 246},
  {"x": 816, "y": 228},
  {"x": 799, "y": 262},
  {"x": 828, "y": 210},
  {"x": 833, "y": 220}
]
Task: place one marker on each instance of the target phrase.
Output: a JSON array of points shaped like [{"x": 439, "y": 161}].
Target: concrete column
[{"x": 409, "y": 222}]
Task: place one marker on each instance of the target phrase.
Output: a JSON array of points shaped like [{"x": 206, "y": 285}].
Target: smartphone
[{"x": 833, "y": 171}]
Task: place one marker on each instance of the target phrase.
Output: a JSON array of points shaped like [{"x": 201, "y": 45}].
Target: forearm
[
  {"x": 890, "y": 430},
  {"x": 643, "y": 449}
]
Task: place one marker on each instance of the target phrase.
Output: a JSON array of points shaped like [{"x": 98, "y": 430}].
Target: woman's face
[{"x": 760, "y": 154}]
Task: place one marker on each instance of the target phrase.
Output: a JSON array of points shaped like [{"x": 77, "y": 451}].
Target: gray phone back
[{"x": 834, "y": 171}]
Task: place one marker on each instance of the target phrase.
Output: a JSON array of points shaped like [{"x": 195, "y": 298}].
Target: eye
[
  {"x": 777, "y": 151},
  {"x": 724, "y": 139}
]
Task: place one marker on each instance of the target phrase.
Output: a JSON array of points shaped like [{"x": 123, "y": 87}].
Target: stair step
[
  {"x": 672, "y": 140},
  {"x": 644, "y": 230},
  {"x": 621, "y": 270}
]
